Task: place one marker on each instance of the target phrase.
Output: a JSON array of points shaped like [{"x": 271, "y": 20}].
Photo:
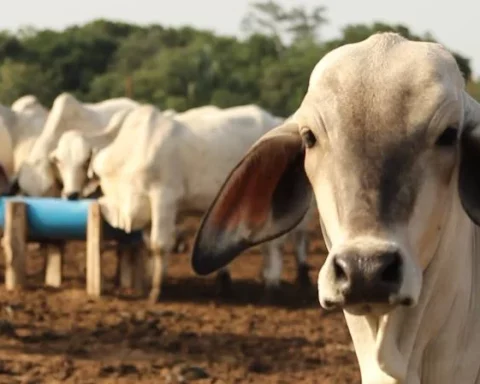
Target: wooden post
[
  {"x": 53, "y": 271},
  {"x": 94, "y": 250},
  {"x": 15, "y": 244}
]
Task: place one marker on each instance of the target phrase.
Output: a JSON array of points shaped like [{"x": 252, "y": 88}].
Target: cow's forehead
[
  {"x": 382, "y": 55},
  {"x": 385, "y": 84},
  {"x": 376, "y": 101},
  {"x": 72, "y": 145}
]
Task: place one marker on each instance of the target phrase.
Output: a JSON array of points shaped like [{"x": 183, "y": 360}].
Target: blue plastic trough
[{"x": 59, "y": 219}]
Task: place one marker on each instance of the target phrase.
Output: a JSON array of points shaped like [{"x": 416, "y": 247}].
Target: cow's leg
[
  {"x": 120, "y": 250},
  {"x": 224, "y": 282},
  {"x": 127, "y": 265},
  {"x": 54, "y": 262},
  {"x": 44, "y": 252},
  {"x": 272, "y": 269},
  {"x": 162, "y": 236},
  {"x": 44, "y": 249},
  {"x": 181, "y": 245},
  {"x": 272, "y": 263},
  {"x": 301, "y": 242}
]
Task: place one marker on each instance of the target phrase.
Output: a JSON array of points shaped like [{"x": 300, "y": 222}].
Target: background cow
[
  {"x": 174, "y": 167},
  {"x": 37, "y": 177}
]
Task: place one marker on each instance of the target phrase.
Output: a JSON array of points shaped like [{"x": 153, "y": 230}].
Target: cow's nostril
[
  {"x": 407, "y": 301},
  {"x": 329, "y": 304},
  {"x": 391, "y": 274},
  {"x": 339, "y": 270}
]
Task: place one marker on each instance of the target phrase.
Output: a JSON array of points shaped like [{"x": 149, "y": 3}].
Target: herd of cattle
[
  {"x": 385, "y": 144},
  {"x": 147, "y": 167}
]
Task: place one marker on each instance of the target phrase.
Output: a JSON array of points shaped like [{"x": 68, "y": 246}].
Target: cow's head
[
  {"x": 72, "y": 158},
  {"x": 386, "y": 139}
]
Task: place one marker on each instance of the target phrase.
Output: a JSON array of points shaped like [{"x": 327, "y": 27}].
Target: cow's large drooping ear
[
  {"x": 469, "y": 177},
  {"x": 265, "y": 195}
]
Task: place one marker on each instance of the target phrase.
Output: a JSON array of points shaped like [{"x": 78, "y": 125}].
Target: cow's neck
[{"x": 435, "y": 342}]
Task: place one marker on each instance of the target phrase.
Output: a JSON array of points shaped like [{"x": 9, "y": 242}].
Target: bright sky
[{"x": 453, "y": 23}]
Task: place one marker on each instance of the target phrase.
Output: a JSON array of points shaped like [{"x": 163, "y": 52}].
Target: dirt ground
[{"x": 191, "y": 335}]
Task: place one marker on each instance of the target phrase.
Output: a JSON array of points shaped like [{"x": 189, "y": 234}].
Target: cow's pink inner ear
[{"x": 246, "y": 198}]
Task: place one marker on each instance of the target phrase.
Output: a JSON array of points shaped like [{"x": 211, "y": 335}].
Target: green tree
[
  {"x": 139, "y": 46},
  {"x": 283, "y": 83},
  {"x": 18, "y": 79},
  {"x": 77, "y": 54},
  {"x": 106, "y": 86},
  {"x": 175, "y": 78},
  {"x": 181, "y": 68},
  {"x": 297, "y": 24},
  {"x": 304, "y": 25},
  {"x": 10, "y": 47}
]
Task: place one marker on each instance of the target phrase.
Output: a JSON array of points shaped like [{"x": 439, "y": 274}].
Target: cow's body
[
  {"x": 388, "y": 142},
  {"x": 21, "y": 126},
  {"x": 152, "y": 141},
  {"x": 29, "y": 104},
  {"x": 6, "y": 152},
  {"x": 200, "y": 112},
  {"x": 175, "y": 166},
  {"x": 24, "y": 121}
]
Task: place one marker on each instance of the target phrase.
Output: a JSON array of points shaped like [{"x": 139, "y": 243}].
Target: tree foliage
[
  {"x": 184, "y": 67},
  {"x": 297, "y": 24}
]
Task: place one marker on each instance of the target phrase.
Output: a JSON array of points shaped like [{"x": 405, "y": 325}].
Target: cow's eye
[
  {"x": 308, "y": 138},
  {"x": 447, "y": 138}
]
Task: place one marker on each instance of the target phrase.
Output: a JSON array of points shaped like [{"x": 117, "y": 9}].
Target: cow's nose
[
  {"x": 368, "y": 279},
  {"x": 73, "y": 196}
]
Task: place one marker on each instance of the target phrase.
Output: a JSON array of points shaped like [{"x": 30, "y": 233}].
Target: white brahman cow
[
  {"x": 169, "y": 112},
  {"x": 37, "y": 177},
  {"x": 190, "y": 112},
  {"x": 388, "y": 142},
  {"x": 27, "y": 117},
  {"x": 174, "y": 167},
  {"x": 196, "y": 112},
  {"x": 23, "y": 123},
  {"x": 30, "y": 104},
  {"x": 76, "y": 149},
  {"x": 6, "y": 154}
]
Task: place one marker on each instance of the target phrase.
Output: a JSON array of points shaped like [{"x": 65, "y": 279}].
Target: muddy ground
[{"x": 192, "y": 335}]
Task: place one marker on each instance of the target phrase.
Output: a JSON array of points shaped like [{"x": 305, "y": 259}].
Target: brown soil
[{"x": 191, "y": 335}]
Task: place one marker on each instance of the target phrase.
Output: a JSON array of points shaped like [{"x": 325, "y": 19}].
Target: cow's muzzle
[
  {"x": 71, "y": 195},
  {"x": 359, "y": 279}
]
